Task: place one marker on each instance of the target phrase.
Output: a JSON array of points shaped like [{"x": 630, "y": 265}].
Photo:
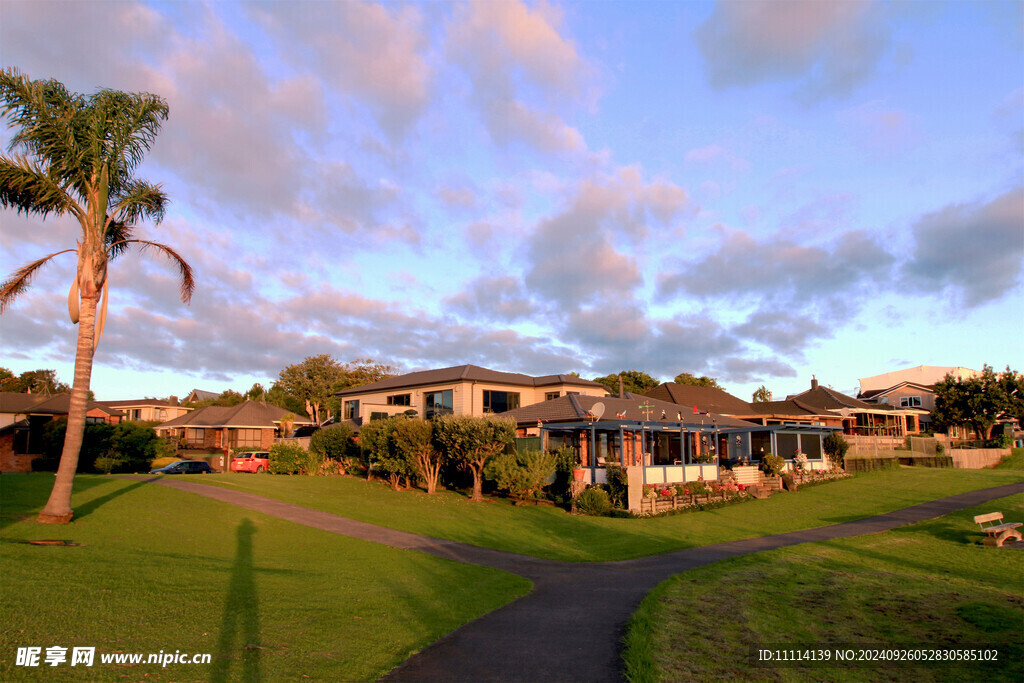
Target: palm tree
[{"x": 74, "y": 155}]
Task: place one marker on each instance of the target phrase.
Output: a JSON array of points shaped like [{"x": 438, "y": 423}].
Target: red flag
[{"x": 695, "y": 411}]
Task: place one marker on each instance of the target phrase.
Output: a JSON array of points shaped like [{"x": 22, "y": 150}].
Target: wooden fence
[{"x": 977, "y": 458}]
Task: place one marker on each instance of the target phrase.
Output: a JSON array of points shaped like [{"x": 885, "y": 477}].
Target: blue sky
[{"x": 756, "y": 191}]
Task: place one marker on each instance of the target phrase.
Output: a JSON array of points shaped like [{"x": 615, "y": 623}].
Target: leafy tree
[
  {"x": 471, "y": 442},
  {"x": 74, "y": 154},
  {"x": 835, "y": 447},
  {"x": 286, "y": 458},
  {"x": 363, "y": 371},
  {"x": 414, "y": 438},
  {"x": 633, "y": 381},
  {"x": 762, "y": 395},
  {"x": 136, "y": 446},
  {"x": 256, "y": 393},
  {"x": 382, "y": 451},
  {"x": 335, "y": 443},
  {"x": 692, "y": 380},
  {"x": 32, "y": 382},
  {"x": 523, "y": 474},
  {"x": 980, "y": 401},
  {"x": 312, "y": 382},
  {"x": 96, "y": 439}
]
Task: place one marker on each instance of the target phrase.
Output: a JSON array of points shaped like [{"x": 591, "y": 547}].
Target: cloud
[
  {"x": 521, "y": 70},
  {"x": 716, "y": 154},
  {"x": 373, "y": 53},
  {"x": 492, "y": 298},
  {"x": 973, "y": 250},
  {"x": 828, "y": 48},
  {"x": 786, "y": 333}
]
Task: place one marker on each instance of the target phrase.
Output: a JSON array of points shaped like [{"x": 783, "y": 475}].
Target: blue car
[{"x": 184, "y": 467}]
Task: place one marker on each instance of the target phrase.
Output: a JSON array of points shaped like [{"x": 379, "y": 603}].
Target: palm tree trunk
[{"x": 58, "y": 507}]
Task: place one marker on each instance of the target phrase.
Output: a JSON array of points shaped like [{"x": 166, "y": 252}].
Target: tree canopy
[
  {"x": 32, "y": 382},
  {"x": 762, "y": 395},
  {"x": 692, "y": 380},
  {"x": 633, "y": 381},
  {"x": 980, "y": 401},
  {"x": 313, "y": 382}
]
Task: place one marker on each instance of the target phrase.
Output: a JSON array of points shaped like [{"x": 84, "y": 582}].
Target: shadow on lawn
[
  {"x": 87, "y": 508},
  {"x": 240, "y": 624},
  {"x": 25, "y": 494}
]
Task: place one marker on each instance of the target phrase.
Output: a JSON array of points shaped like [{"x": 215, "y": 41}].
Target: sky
[{"x": 755, "y": 191}]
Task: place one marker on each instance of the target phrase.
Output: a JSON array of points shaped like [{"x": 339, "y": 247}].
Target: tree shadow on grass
[
  {"x": 89, "y": 507},
  {"x": 240, "y": 623},
  {"x": 22, "y": 496}
]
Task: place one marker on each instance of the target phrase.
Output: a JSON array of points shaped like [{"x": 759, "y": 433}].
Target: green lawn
[
  {"x": 157, "y": 569},
  {"x": 1014, "y": 462},
  {"x": 552, "y": 533},
  {"x": 929, "y": 583}
]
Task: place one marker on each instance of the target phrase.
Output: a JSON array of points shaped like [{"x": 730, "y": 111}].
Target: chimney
[
  {"x": 173, "y": 400},
  {"x": 622, "y": 393},
  {"x": 814, "y": 382}
]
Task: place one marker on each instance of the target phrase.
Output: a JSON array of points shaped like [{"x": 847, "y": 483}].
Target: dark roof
[
  {"x": 711, "y": 399},
  {"x": 469, "y": 373},
  {"x": 200, "y": 395},
  {"x": 248, "y": 414},
  {"x": 790, "y": 407},
  {"x": 873, "y": 394},
  {"x": 823, "y": 398},
  {"x": 575, "y": 407},
  {"x": 39, "y": 404}
]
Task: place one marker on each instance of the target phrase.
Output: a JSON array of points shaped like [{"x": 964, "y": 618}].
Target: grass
[
  {"x": 553, "y": 534},
  {"x": 157, "y": 569},
  {"x": 1014, "y": 462},
  {"x": 925, "y": 584}
]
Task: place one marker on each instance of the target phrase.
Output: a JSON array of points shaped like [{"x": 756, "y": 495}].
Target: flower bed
[{"x": 659, "y": 498}]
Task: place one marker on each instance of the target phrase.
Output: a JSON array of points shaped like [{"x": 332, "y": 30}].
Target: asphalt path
[{"x": 569, "y": 627}]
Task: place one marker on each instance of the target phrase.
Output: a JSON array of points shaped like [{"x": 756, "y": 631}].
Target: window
[
  {"x": 552, "y": 395},
  {"x": 884, "y": 400},
  {"x": 910, "y": 402},
  {"x": 374, "y": 416},
  {"x": 194, "y": 437},
  {"x": 135, "y": 414},
  {"x": 246, "y": 438},
  {"x": 500, "y": 401},
  {"x": 94, "y": 420},
  {"x": 437, "y": 403},
  {"x": 810, "y": 445},
  {"x": 161, "y": 414},
  {"x": 400, "y": 400},
  {"x": 351, "y": 410}
]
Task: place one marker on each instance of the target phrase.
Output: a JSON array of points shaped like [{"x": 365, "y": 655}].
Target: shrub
[
  {"x": 1001, "y": 441},
  {"x": 940, "y": 448},
  {"x": 773, "y": 464},
  {"x": 162, "y": 461},
  {"x": 835, "y": 448},
  {"x": 524, "y": 474},
  {"x": 135, "y": 446},
  {"x": 618, "y": 485},
  {"x": 334, "y": 442},
  {"x": 95, "y": 443},
  {"x": 106, "y": 464},
  {"x": 311, "y": 462},
  {"x": 593, "y": 501},
  {"x": 286, "y": 458}
]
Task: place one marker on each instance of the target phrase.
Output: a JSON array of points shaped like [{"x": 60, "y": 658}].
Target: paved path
[{"x": 569, "y": 626}]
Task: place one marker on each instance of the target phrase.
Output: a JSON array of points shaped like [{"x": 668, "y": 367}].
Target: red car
[{"x": 251, "y": 462}]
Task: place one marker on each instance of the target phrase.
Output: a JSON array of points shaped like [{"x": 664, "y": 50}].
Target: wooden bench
[{"x": 998, "y": 531}]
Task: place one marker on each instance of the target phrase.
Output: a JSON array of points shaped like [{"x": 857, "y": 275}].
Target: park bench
[{"x": 999, "y": 532}]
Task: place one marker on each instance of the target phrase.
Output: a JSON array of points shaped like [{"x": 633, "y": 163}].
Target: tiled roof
[
  {"x": 248, "y": 414},
  {"x": 790, "y": 407},
  {"x": 824, "y": 398},
  {"x": 574, "y": 408},
  {"x": 140, "y": 402},
  {"x": 711, "y": 399},
  {"x": 469, "y": 373},
  {"x": 38, "y": 404}
]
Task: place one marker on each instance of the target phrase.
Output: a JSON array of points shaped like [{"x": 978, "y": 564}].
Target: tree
[
  {"x": 335, "y": 443},
  {"x": 471, "y": 442},
  {"x": 415, "y": 439},
  {"x": 74, "y": 154},
  {"x": 312, "y": 382},
  {"x": 383, "y": 453},
  {"x": 762, "y": 395},
  {"x": 980, "y": 401},
  {"x": 32, "y": 382},
  {"x": 633, "y": 381},
  {"x": 692, "y": 380},
  {"x": 523, "y": 474}
]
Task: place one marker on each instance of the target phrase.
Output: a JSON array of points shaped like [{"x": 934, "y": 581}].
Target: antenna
[{"x": 597, "y": 410}]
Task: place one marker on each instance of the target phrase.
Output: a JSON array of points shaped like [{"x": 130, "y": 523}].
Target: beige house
[
  {"x": 148, "y": 409},
  {"x": 460, "y": 390}
]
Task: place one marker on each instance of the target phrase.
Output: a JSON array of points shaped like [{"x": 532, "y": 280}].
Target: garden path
[{"x": 568, "y": 628}]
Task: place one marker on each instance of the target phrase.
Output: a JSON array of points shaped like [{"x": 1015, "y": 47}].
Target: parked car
[
  {"x": 256, "y": 462},
  {"x": 184, "y": 467}
]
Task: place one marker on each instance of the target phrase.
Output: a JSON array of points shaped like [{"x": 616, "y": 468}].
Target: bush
[
  {"x": 96, "y": 442},
  {"x": 524, "y": 474},
  {"x": 135, "y": 446},
  {"x": 618, "y": 485},
  {"x": 593, "y": 501},
  {"x": 334, "y": 443},
  {"x": 106, "y": 464},
  {"x": 835, "y": 448},
  {"x": 311, "y": 462},
  {"x": 162, "y": 461},
  {"x": 1001, "y": 441},
  {"x": 773, "y": 464},
  {"x": 286, "y": 458}
]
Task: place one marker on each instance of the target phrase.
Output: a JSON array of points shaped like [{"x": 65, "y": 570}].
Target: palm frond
[
  {"x": 20, "y": 280},
  {"x": 28, "y": 189},
  {"x": 137, "y": 199},
  {"x": 188, "y": 283},
  {"x": 117, "y": 236}
]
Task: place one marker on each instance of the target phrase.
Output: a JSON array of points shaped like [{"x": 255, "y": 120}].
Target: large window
[
  {"x": 400, "y": 400},
  {"x": 194, "y": 437},
  {"x": 787, "y": 445},
  {"x": 910, "y": 402},
  {"x": 552, "y": 395},
  {"x": 351, "y": 410},
  {"x": 810, "y": 444},
  {"x": 500, "y": 401},
  {"x": 437, "y": 403},
  {"x": 246, "y": 438}
]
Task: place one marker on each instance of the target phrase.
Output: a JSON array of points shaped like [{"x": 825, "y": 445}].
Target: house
[
  {"x": 860, "y": 417},
  {"x": 459, "y": 390},
  {"x": 673, "y": 443},
  {"x": 910, "y": 388},
  {"x": 23, "y": 417},
  {"x": 252, "y": 424},
  {"x": 197, "y": 395},
  {"x": 716, "y": 400},
  {"x": 148, "y": 409}
]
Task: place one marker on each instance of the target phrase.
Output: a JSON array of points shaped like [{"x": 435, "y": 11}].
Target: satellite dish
[
  {"x": 597, "y": 410},
  {"x": 845, "y": 412}
]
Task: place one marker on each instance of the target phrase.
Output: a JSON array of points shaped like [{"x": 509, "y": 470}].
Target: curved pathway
[{"x": 569, "y": 626}]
